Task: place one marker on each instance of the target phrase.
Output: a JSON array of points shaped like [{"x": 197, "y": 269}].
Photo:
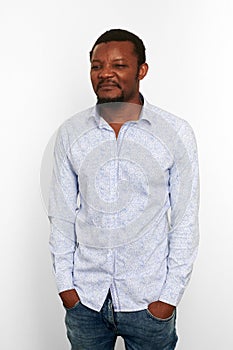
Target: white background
[{"x": 44, "y": 79}]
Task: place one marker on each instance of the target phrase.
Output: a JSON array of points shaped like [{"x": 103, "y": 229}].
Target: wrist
[
  {"x": 69, "y": 298},
  {"x": 161, "y": 309}
]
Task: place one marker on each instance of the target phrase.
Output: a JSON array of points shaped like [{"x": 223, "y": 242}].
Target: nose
[{"x": 106, "y": 72}]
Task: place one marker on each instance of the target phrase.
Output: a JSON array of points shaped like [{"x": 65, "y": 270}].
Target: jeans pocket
[
  {"x": 73, "y": 307},
  {"x": 161, "y": 319}
]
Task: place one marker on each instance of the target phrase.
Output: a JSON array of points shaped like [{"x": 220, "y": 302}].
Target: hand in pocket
[
  {"x": 160, "y": 309},
  {"x": 69, "y": 298}
]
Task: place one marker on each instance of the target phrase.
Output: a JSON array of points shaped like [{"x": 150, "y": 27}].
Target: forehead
[{"x": 114, "y": 50}]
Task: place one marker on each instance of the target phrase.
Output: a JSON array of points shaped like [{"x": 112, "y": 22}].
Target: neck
[{"x": 120, "y": 112}]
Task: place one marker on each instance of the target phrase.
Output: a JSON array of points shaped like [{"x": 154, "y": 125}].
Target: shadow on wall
[{"x": 46, "y": 171}]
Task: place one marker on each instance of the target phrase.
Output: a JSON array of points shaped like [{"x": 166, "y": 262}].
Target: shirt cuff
[
  {"x": 171, "y": 294},
  {"x": 64, "y": 282}
]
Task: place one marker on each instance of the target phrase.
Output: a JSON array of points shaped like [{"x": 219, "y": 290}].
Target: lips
[{"x": 107, "y": 86}]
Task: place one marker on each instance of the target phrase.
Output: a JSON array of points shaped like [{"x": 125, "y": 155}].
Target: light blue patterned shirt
[{"x": 124, "y": 211}]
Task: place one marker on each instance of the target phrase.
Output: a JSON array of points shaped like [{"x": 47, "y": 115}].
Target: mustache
[{"x": 106, "y": 81}]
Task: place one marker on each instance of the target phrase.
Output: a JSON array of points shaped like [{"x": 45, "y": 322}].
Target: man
[{"x": 123, "y": 257}]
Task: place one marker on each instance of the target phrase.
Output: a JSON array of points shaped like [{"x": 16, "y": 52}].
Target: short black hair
[{"x": 123, "y": 35}]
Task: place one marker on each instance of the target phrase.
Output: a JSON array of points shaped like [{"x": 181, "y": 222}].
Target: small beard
[{"x": 101, "y": 100}]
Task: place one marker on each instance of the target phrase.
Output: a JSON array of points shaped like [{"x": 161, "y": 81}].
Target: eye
[
  {"x": 95, "y": 67},
  {"x": 120, "y": 65}
]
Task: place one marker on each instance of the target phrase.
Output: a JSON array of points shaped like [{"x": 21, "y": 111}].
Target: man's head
[
  {"x": 123, "y": 35},
  {"x": 117, "y": 65}
]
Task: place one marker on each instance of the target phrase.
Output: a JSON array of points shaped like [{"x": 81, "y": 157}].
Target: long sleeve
[
  {"x": 183, "y": 237},
  {"x": 62, "y": 212}
]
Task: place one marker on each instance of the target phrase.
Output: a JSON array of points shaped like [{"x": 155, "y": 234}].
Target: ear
[{"x": 143, "y": 69}]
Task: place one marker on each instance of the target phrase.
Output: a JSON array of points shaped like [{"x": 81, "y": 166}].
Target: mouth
[{"x": 107, "y": 86}]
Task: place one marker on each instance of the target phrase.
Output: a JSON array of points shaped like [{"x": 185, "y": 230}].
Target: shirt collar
[{"x": 146, "y": 114}]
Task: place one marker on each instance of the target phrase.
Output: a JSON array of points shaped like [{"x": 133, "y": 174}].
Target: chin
[{"x": 106, "y": 99}]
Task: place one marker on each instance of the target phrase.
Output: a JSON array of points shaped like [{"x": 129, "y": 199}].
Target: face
[{"x": 115, "y": 74}]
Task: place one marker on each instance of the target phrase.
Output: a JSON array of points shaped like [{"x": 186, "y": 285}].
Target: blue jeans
[{"x": 88, "y": 329}]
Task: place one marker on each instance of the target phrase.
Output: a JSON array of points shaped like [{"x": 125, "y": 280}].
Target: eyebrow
[{"x": 116, "y": 59}]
